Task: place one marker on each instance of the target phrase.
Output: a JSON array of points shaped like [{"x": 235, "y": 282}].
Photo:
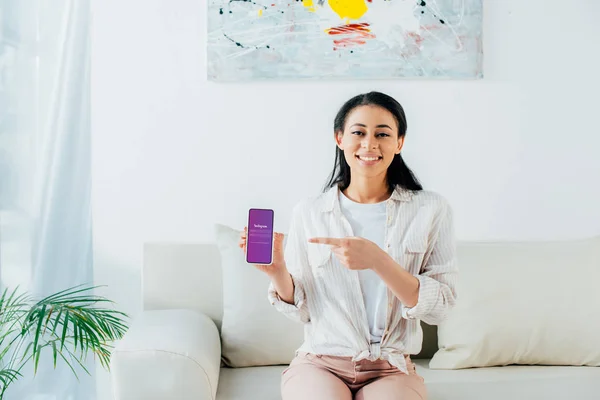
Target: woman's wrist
[
  {"x": 278, "y": 271},
  {"x": 403, "y": 284},
  {"x": 382, "y": 263},
  {"x": 284, "y": 285}
]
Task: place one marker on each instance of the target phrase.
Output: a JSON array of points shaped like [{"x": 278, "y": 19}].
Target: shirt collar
[{"x": 330, "y": 199}]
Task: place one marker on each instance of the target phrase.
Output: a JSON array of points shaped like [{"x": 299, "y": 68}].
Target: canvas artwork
[{"x": 323, "y": 39}]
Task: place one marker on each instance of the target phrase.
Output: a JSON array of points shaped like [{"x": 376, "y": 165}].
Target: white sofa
[{"x": 173, "y": 348}]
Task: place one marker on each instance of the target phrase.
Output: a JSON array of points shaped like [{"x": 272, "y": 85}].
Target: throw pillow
[
  {"x": 253, "y": 333},
  {"x": 524, "y": 303}
]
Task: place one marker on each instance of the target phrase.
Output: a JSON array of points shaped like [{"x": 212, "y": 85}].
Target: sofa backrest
[
  {"x": 189, "y": 276},
  {"x": 183, "y": 275}
]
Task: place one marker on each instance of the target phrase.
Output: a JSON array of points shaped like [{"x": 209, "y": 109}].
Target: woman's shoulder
[
  {"x": 431, "y": 198},
  {"x": 315, "y": 202}
]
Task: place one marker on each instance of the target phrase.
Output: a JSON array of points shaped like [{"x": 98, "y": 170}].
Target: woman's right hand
[{"x": 278, "y": 265}]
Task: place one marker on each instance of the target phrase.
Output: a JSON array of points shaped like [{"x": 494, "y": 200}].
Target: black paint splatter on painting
[
  {"x": 248, "y": 1},
  {"x": 236, "y": 43},
  {"x": 239, "y": 44},
  {"x": 243, "y": 46},
  {"x": 243, "y": 1},
  {"x": 423, "y": 3}
]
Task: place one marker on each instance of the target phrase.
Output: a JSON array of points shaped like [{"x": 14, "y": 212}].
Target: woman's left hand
[{"x": 354, "y": 253}]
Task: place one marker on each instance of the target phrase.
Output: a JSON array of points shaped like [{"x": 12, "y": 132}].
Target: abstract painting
[{"x": 349, "y": 39}]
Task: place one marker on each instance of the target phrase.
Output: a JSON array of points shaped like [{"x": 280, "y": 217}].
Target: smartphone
[{"x": 259, "y": 240}]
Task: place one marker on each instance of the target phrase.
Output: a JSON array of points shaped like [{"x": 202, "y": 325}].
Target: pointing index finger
[{"x": 325, "y": 240}]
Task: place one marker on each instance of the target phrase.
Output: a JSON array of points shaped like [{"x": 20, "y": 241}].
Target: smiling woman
[
  {"x": 369, "y": 131},
  {"x": 364, "y": 262}
]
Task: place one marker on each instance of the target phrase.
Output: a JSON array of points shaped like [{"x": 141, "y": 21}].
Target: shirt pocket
[
  {"x": 415, "y": 242},
  {"x": 319, "y": 256}
]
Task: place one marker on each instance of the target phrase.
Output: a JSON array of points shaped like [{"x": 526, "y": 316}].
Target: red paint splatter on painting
[
  {"x": 350, "y": 28},
  {"x": 357, "y": 34},
  {"x": 416, "y": 37}
]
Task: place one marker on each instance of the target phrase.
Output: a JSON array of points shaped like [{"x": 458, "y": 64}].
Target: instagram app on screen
[{"x": 259, "y": 247}]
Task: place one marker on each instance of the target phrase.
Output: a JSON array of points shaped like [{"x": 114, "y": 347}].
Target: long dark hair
[{"x": 398, "y": 172}]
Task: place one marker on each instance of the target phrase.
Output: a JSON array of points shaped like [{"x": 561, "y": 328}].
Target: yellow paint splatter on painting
[
  {"x": 348, "y": 9},
  {"x": 309, "y": 5},
  {"x": 260, "y": 12}
]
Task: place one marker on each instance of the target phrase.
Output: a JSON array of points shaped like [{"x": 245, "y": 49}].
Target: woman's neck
[{"x": 367, "y": 191}]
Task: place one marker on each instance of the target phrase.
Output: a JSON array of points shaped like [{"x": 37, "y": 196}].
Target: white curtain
[{"x": 45, "y": 178}]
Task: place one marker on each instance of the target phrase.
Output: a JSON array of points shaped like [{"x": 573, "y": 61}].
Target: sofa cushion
[
  {"x": 253, "y": 333},
  {"x": 524, "y": 303},
  {"x": 497, "y": 383}
]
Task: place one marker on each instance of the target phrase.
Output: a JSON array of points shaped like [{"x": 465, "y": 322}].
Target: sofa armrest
[{"x": 167, "y": 354}]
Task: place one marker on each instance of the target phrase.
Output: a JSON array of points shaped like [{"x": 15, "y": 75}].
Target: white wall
[{"x": 515, "y": 153}]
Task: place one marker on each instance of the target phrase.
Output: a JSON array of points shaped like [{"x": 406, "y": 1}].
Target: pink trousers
[{"x": 319, "y": 377}]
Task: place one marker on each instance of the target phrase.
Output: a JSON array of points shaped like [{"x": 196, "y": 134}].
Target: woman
[{"x": 365, "y": 261}]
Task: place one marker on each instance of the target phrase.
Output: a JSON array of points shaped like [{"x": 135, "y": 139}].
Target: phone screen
[{"x": 259, "y": 242}]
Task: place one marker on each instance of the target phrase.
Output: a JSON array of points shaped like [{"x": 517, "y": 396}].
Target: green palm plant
[{"x": 72, "y": 324}]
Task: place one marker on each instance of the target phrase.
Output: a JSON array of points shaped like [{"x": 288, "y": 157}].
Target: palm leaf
[
  {"x": 64, "y": 332},
  {"x": 71, "y": 322},
  {"x": 69, "y": 364},
  {"x": 7, "y": 376},
  {"x": 36, "y": 357},
  {"x": 38, "y": 331},
  {"x": 54, "y": 353}
]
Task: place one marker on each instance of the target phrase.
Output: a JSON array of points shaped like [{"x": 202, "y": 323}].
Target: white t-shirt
[{"x": 368, "y": 221}]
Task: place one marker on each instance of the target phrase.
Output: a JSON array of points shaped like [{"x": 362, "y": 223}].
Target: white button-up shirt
[{"x": 419, "y": 236}]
